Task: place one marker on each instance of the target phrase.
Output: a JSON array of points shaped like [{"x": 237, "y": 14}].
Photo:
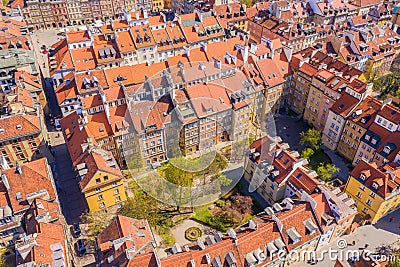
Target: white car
[{"x": 57, "y": 124}]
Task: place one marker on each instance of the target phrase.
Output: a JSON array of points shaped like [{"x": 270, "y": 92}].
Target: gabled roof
[
  {"x": 373, "y": 175},
  {"x": 78, "y": 36},
  {"x": 67, "y": 90},
  {"x": 18, "y": 125},
  {"x": 83, "y": 58},
  {"x": 63, "y": 59},
  {"x": 32, "y": 182},
  {"x": 270, "y": 72},
  {"x": 344, "y": 105},
  {"x": 95, "y": 161},
  {"x": 138, "y": 235}
]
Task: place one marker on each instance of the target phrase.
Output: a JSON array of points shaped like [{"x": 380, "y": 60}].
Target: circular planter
[{"x": 193, "y": 233}]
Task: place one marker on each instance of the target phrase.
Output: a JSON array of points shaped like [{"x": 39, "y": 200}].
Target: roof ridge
[
  {"x": 34, "y": 170},
  {"x": 26, "y": 119}
]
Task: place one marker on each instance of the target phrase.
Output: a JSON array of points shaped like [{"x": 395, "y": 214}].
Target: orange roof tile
[
  {"x": 66, "y": 90},
  {"x": 29, "y": 184},
  {"x": 344, "y": 105},
  {"x": 139, "y": 34},
  {"x": 83, "y": 58},
  {"x": 125, "y": 42},
  {"x": 18, "y": 125},
  {"x": 141, "y": 238},
  {"x": 95, "y": 162},
  {"x": 78, "y": 36},
  {"x": 63, "y": 59},
  {"x": 271, "y": 74}
]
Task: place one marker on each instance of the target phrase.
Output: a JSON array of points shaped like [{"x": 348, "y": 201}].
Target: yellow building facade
[
  {"x": 374, "y": 191},
  {"x": 101, "y": 180},
  {"x": 157, "y": 5},
  {"x": 104, "y": 194}
]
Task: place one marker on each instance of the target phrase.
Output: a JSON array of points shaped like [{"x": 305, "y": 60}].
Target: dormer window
[
  {"x": 367, "y": 137},
  {"x": 386, "y": 149},
  {"x": 373, "y": 141},
  {"x": 362, "y": 177},
  {"x": 375, "y": 185}
]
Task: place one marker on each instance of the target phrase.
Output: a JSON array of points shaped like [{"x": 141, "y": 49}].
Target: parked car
[
  {"x": 57, "y": 124},
  {"x": 80, "y": 247},
  {"x": 76, "y": 230}
]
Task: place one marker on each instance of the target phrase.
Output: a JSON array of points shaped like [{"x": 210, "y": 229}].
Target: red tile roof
[
  {"x": 374, "y": 175},
  {"x": 344, "y": 105},
  {"x": 270, "y": 71},
  {"x": 138, "y": 235},
  {"x": 63, "y": 59},
  {"x": 34, "y": 178},
  {"x": 83, "y": 58},
  {"x": 95, "y": 162},
  {"x": 78, "y": 36},
  {"x": 18, "y": 125}
]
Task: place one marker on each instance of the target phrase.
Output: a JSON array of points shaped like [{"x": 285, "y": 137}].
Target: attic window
[
  {"x": 386, "y": 149},
  {"x": 19, "y": 126},
  {"x": 375, "y": 185}
]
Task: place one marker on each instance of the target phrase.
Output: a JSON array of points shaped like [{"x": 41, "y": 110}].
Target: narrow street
[{"x": 71, "y": 199}]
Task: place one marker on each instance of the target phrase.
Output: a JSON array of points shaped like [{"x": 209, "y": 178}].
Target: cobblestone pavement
[{"x": 289, "y": 129}]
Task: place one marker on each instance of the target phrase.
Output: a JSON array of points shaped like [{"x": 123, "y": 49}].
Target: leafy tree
[
  {"x": 307, "y": 153},
  {"x": 232, "y": 212},
  {"x": 311, "y": 138},
  {"x": 143, "y": 206},
  {"x": 387, "y": 84},
  {"x": 178, "y": 176},
  {"x": 242, "y": 203},
  {"x": 370, "y": 75},
  {"x": 3, "y": 261},
  {"x": 248, "y": 3},
  {"x": 223, "y": 180},
  {"x": 395, "y": 260},
  {"x": 325, "y": 172},
  {"x": 96, "y": 222}
]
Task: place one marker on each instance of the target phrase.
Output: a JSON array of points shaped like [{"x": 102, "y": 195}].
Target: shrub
[{"x": 192, "y": 233}]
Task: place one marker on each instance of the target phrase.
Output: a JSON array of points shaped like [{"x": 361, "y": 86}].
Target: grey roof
[{"x": 10, "y": 58}]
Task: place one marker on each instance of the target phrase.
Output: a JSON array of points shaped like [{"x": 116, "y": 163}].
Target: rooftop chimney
[{"x": 18, "y": 169}]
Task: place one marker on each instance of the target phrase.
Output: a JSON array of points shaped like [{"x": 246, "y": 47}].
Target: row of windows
[{"x": 117, "y": 199}]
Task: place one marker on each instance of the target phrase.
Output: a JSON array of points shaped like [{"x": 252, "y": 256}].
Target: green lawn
[
  {"x": 204, "y": 215},
  {"x": 217, "y": 165},
  {"x": 317, "y": 158}
]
